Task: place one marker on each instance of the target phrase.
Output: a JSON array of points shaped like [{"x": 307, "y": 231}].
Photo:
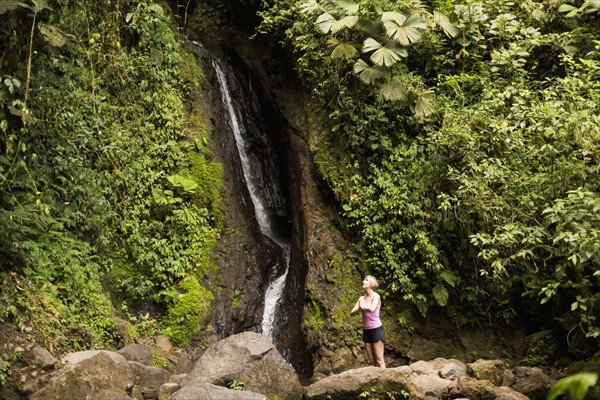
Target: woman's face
[{"x": 366, "y": 283}]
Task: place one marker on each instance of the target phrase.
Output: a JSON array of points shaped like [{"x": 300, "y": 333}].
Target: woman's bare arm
[{"x": 356, "y": 307}]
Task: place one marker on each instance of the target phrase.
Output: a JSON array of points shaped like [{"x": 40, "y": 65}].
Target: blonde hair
[{"x": 373, "y": 281}]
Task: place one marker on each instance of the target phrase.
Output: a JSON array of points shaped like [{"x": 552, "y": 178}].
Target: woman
[{"x": 373, "y": 334}]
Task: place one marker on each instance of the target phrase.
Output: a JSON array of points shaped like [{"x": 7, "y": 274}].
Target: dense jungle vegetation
[
  {"x": 463, "y": 149},
  {"x": 109, "y": 199}
]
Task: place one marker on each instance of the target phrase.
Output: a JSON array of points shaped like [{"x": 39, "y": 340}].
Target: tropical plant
[{"x": 489, "y": 202}]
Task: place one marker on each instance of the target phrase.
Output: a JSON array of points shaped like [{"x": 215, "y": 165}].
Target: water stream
[{"x": 263, "y": 188}]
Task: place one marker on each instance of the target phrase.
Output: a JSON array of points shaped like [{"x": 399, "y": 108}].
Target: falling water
[{"x": 264, "y": 196}]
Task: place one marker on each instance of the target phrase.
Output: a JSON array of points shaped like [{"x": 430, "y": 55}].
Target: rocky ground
[{"x": 247, "y": 366}]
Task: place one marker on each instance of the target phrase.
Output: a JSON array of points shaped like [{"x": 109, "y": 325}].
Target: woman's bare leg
[
  {"x": 378, "y": 354},
  {"x": 371, "y": 353}
]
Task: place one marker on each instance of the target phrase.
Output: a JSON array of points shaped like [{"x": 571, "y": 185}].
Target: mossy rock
[{"x": 543, "y": 348}]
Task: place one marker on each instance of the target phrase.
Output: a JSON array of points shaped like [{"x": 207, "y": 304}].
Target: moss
[
  {"x": 186, "y": 311},
  {"x": 159, "y": 361},
  {"x": 543, "y": 348},
  {"x": 345, "y": 277},
  {"x": 314, "y": 319},
  {"x": 189, "y": 69},
  {"x": 209, "y": 177},
  {"x": 236, "y": 302}
]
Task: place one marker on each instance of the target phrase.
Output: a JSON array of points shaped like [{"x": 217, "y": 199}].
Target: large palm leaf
[
  {"x": 448, "y": 27},
  {"x": 393, "y": 90},
  {"x": 327, "y": 22},
  {"x": 350, "y": 6},
  {"x": 424, "y": 104},
  {"x": 370, "y": 74},
  {"x": 404, "y": 30},
  {"x": 342, "y": 49},
  {"x": 387, "y": 55}
]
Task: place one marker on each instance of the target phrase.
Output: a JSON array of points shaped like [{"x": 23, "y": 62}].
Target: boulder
[
  {"x": 433, "y": 385},
  {"x": 353, "y": 383},
  {"x": 483, "y": 390},
  {"x": 42, "y": 358},
  {"x": 141, "y": 353},
  {"x": 452, "y": 371},
  {"x": 167, "y": 390},
  {"x": 73, "y": 359},
  {"x": 103, "y": 375},
  {"x": 249, "y": 358},
  {"x": 422, "y": 368},
  {"x": 207, "y": 391},
  {"x": 491, "y": 370},
  {"x": 149, "y": 379},
  {"x": 532, "y": 382}
]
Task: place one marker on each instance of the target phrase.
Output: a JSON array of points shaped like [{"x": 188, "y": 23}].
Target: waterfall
[{"x": 264, "y": 190}]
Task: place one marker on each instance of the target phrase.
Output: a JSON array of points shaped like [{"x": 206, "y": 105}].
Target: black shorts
[{"x": 374, "y": 335}]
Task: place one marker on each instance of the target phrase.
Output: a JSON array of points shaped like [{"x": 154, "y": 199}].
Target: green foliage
[
  {"x": 5, "y": 372},
  {"x": 576, "y": 385},
  {"x": 236, "y": 385},
  {"x": 489, "y": 206},
  {"x": 95, "y": 181},
  {"x": 159, "y": 361},
  {"x": 186, "y": 309},
  {"x": 315, "y": 318},
  {"x": 236, "y": 302}
]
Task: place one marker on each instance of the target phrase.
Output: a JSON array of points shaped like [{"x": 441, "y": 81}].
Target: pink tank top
[{"x": 370, "y": 319}]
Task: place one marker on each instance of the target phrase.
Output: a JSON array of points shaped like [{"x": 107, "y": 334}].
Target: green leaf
[
  {"x": 346, "y": 22},
  {"x": 370, "y": 74},
  {"x": 188, "y": 185},
  {"x": 448, "y": 27},
  {"x": 342, "y": 49},
  {"x": 387, "y": 55},
  {"x": 403, "y": 30},
  {"x": 393, "y": 90},
  {"x": 309, "y": 7},
  {"x": 52, "y": 35},
  {"x": 325, "y": 21},
  {"x": 40, "y": 5},
  {"x": 8, "y": 5},
  {"x": 441, "y": 295},
  {"x": 577, "y": 385},
  {"x": 425, "y": 104},
  {"x": 348, "y": 5}
]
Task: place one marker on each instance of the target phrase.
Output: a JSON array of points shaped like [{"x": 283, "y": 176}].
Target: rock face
[
  {"x": 91, "y": 375},
  {"x": 248, "y": 358}
]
